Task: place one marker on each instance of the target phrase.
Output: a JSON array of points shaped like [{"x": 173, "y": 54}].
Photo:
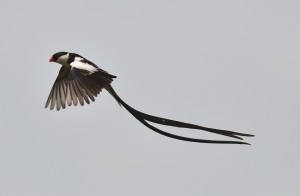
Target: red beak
[{"x": 51, "y": 59}]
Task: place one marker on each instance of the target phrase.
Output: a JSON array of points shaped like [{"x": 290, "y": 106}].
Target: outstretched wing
[{"x": 74, "y": 85}]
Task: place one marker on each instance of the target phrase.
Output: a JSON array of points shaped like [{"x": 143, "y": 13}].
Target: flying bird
[{"x": 80, "y": 80}]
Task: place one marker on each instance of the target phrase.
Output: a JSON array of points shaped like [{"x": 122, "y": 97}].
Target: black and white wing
[{"x": 75, "y": 84}]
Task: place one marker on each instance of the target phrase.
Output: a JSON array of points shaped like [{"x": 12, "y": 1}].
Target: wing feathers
[
  {"x": 49, "y": 98},
  {"x": 53, "y": 98},
  {"x": 63, "y": 94},
  {"x": 77, "y": 91},
  {"x": 73, "y": 94},
  {"x": 86, "y": 88},
  {"x": 58, "y": 96},
  {"x": 74, "y": 85},
  {"x": 82, "y": 91}
]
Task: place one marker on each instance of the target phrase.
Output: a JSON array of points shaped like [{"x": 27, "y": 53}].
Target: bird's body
[{"x": 80, "y": 80}]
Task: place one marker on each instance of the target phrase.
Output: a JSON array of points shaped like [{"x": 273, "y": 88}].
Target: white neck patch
[{"x": 63, "y": 59}]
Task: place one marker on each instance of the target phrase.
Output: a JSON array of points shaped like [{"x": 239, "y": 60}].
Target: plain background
[{"x": 224, "y": 64}]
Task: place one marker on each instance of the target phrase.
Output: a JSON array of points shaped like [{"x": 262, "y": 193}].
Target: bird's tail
[{"x": 143, "y": 118}]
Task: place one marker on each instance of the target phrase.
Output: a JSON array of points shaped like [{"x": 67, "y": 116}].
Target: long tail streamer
[{"x": 143, "y": 118}]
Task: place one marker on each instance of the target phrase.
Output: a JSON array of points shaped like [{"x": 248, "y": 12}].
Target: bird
[{"x": 80, "y": 81}]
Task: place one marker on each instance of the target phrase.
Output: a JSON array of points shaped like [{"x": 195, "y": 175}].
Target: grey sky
[{"x": 223, "y": 64}]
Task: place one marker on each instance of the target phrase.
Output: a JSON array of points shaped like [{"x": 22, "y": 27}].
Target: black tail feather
[{"x": 143, "y": 118}]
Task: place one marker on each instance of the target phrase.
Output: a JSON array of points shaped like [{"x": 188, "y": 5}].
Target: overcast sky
[{"x": 224, "y": 64}]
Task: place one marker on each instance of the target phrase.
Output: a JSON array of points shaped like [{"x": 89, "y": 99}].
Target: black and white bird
[{"x": 80, "y": 80}]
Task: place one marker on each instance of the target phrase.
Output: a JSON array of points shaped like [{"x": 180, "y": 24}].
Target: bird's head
[{"x": 59, "y": 57}]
